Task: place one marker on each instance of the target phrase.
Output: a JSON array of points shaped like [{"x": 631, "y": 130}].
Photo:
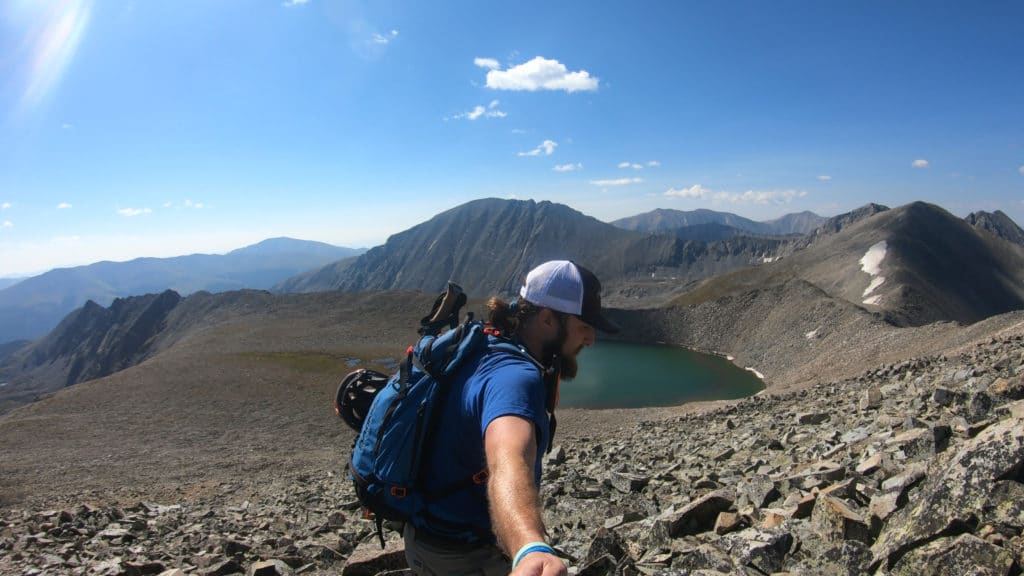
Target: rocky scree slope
[{"x": 911, "y": 468}]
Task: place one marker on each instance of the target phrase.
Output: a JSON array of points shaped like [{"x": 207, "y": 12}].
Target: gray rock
[
  {"x": 606, "y": 543},
  {"x": 763, "y": 550},
  {"x": 700, "y": 515},
  {"x": 943, "y": 396},
  {"x": 727, "y": 522},
  {"x": 368, "y": 559},
  {"x": 905, "y": 480},
  {"x": 871, "y": 398},
  {"x": 1004, "y": 510},
  {"x": 1010, "y": 388},
  {"x": 269, "y": 568},
  {"x": 812, "y": 417},
  {"x": 834, "y": 520},
  {"x": 758, "y": 491},
  {"x": 965, "y": 554},
  {"x": 950, "y": 500},
  {"x": 847, "y": 558},
  {"x": 628, "y": 483},
  {"x": 707, "y": 558},
  {"x": 222, "y": 568},
  {"x": 920, "y": 444}
]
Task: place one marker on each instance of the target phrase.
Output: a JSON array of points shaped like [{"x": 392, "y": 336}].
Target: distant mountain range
[
  {"x": 690, "y": 224},
  {"x": 488, "y": 246},
  {"x": 906, "y": 266},
  {"x": 914, "y": 264},
  {"x": 33, "y": 306}
]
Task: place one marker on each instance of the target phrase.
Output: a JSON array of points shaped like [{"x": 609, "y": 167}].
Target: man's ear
[{"x": 547, "y": 317}]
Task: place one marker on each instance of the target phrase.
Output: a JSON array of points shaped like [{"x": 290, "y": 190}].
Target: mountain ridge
[
  {"x": 33, "y": 306},
  {"x": 666, "y": 219}
]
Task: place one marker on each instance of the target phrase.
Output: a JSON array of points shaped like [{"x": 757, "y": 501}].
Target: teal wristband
[{"x": 530, "y": 548}]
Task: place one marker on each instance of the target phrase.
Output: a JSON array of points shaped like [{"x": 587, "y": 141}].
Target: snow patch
[
  {"x": 812, "y": 334},
  {"x": 768, "y": 259},
  {"x": 871, "y": 264},
  {"x": 875, "y": 283},
  {"x": 872, "y": 259},
  {"x": 756, "y": 373}
]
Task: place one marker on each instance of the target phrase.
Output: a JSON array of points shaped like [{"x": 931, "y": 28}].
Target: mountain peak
[{"x": 998, "y": 224}]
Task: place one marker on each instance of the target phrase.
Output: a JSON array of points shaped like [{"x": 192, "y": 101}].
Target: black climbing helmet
[{"x": 355, "y": 394}]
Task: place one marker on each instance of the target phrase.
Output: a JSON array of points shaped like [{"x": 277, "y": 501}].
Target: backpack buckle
[{"x": 398, "y": 491}]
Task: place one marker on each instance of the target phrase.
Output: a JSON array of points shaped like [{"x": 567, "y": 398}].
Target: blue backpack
[{"x": 395, "y": 416}]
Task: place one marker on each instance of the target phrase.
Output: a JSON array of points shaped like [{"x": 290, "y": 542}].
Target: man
[{"x": 495, "y": 425}]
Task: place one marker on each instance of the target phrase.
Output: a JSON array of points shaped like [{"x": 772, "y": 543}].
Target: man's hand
[{"x": 540, "y": 564}]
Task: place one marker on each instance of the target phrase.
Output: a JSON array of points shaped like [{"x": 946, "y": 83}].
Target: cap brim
[{"x": 603, "y": 324}]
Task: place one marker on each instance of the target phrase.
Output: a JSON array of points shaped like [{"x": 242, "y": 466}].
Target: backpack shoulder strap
[{"x": 549, "y": 374}]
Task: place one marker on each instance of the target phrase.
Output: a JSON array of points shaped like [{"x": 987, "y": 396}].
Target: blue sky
[{"x": 160, "y": 128}]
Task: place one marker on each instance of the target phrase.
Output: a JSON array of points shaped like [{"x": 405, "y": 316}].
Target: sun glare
[{"x": 54, "y": 40}]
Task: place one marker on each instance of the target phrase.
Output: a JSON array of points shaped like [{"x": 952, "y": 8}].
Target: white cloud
[
  {"x": 187, "y": 203},
  {"x": 481, "y": 112},
  {"x": 290, "y": 3},
  {"x": 378, "y": 38},
  {"x": 67, "y": 126},
  {"x": 748, "y": 197},
  {"x": 5, "y": 206},
  {"x": 63, "y": 206},
  {"x": 632, "y": 165},
  {"x": 695, "y": 191},
  {"x": 568, "y": 167},
  {"x": 919, "y": 163},
  {"x": 824, "y": 177},
  {"x": 539, "y": 74},
  {"x": 133, "y": 211},
  {"x": 489, "y": 63},
  {"x": 617, "y": 182},
  {"x": 760, "y": 196},
  {"x": 546, "y": 147},
  {"x": 7, "y": 224},
  {"x": 653, "y": 164},
  {"x": 1021, "y": 169}
]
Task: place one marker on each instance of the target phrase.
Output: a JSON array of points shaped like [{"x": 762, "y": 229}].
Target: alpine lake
[{"x": 624, "y": 375}]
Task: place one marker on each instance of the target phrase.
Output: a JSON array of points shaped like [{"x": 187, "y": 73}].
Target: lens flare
[{"x": 53, "y": 44}]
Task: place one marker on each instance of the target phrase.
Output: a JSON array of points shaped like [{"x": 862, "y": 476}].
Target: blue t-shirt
[{"x": 496, "y": 384}]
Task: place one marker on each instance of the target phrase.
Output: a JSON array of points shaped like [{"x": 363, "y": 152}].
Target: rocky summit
[{"x": 911, "y": 468}]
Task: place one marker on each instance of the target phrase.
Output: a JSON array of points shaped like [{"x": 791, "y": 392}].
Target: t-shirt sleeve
[{"x": 516, "y": 389}]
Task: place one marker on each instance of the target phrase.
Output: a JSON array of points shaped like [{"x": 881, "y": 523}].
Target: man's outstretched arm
[{"x": 511, "y": 447}]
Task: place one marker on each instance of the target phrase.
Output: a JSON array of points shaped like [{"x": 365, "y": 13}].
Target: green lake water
[{"x": 623, "y": 375}]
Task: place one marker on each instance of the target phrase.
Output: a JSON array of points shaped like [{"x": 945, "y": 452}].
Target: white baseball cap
[{"x": 567, "y": 287}]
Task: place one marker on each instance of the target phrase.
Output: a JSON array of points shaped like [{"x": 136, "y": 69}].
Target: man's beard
[{"x": 567, "y": 367}]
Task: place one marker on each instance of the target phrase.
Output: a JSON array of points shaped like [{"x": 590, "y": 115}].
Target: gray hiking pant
[{"x": 433, "y": 559}]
